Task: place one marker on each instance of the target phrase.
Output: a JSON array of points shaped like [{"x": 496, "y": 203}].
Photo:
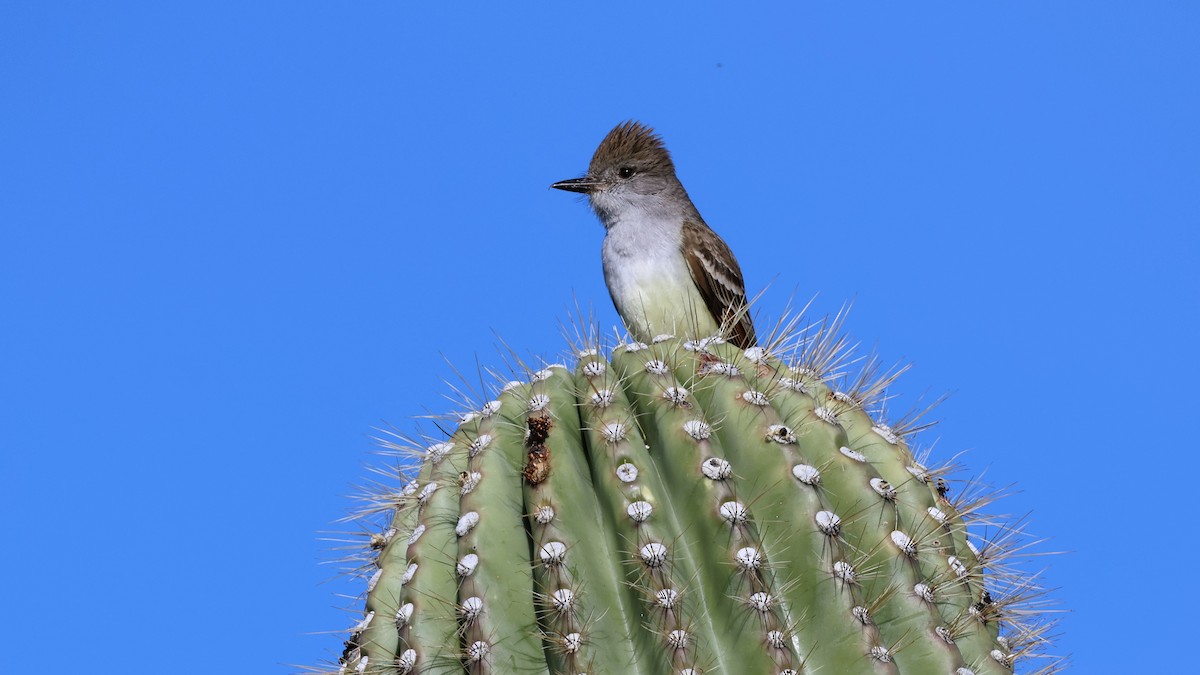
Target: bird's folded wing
[{"x": 719, "y": 279}]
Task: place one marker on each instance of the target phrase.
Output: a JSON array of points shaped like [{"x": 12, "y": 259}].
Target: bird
[{"x": 665, "y": 268}]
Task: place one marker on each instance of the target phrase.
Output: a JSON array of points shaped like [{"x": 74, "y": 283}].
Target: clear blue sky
[{"x": 235, "y": 237}]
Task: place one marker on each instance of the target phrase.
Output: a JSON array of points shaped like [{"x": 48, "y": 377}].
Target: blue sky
[{"x": 236, "y": 237}]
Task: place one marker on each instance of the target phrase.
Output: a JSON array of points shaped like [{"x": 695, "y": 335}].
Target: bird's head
[{"x": 631, "y": 168}]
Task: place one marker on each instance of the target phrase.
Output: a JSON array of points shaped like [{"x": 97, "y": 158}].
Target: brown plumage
[
  {"x": 708, "y": 257},
  {"x": 632, "y": 143}
]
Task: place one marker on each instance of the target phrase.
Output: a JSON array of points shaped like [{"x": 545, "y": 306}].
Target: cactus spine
[{"x": 686, "y": 507}]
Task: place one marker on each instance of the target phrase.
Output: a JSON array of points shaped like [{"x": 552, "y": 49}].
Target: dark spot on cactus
[
  {"x": 539, "y": 430},
  {"x": 705, "y": 360},
  {"x": 782, "y": 434},
  {"x": 537, "y": 468},
  {"x": 979, "y": 610},
  {"x": 350, "y": 650},
  {"x": 986, "y": 609}
]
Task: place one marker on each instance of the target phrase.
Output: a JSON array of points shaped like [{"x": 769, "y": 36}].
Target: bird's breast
[
  {"x": 650, "y": 283},
  {"x": 643, "y": 253}
]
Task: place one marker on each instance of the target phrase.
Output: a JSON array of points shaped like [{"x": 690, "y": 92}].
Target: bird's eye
[{"x": 625, "y": 172}]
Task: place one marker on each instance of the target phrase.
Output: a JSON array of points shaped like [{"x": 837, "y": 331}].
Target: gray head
[{"x": 630, "y": 169}]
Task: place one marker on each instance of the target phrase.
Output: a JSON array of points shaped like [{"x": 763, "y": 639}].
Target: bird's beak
[{"x": 585, "y": 185}]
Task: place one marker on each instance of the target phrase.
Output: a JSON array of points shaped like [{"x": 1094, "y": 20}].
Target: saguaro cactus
[{"x": 688, "y": 507}]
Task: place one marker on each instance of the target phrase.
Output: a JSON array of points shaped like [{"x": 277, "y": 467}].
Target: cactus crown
[{"x": 689, "y": 507}]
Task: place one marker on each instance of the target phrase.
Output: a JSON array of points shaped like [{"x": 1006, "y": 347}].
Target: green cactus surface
[{"x": 687, "y": 507}]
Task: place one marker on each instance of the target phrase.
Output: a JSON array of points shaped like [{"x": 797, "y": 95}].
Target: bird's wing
[{"x": 719, "y": 279}]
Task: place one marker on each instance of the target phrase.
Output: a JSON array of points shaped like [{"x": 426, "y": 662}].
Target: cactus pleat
[{"x": 682, "y": 507}]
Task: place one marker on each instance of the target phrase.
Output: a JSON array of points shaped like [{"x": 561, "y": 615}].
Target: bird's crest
[{"x": 631, "y": 142}]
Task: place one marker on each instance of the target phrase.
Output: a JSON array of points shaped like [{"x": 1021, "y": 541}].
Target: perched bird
[{"x": 666, "y": 270}]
